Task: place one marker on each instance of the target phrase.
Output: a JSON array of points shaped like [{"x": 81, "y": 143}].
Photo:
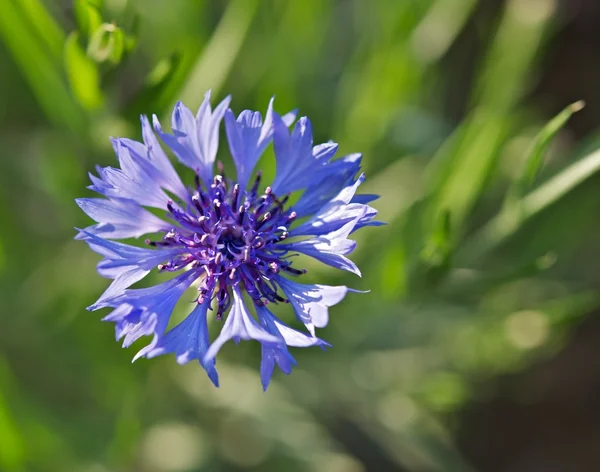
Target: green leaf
[
  {"x": 538, "y": 149},
  {"x": 107, "y": 44},
  {"x": 83, "y": 74}
]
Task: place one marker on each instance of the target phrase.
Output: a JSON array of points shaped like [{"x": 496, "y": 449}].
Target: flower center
[
  {"x": 231, "y": 243},
  {"x": 232, "y": 236}
]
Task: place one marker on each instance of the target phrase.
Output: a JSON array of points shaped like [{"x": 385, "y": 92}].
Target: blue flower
[{"x": 229, "y": 239}]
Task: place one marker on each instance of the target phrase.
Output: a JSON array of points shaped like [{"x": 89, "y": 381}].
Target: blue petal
[
  {"x": 364, "y": 198},
  {"x": 189, "y": 341},
  {"x": 120, "y": 218},
  {"x": 156, "y": 295},
  {"x": 331, "y": 248},
  {"x": 131, "y": 323},
  {"x": 195, "y": 141},
  {"x": 311, "y": 302},
  {"x": 248, "y": 137},
  {"x": 367, "y": 219},
  {"x": 335, "y": 214},
  {"x": 117, "y": 231},
  {"x": 323, "y": 153},
  {"x": 149, "y": 167},
  {"x": 329, "y": 219},
  {"x": 278, "y": 354},
  {"x": 333, "y": 178},
  {"x": 125, "y": 278},
  {"x": 142, "y": 257},
  {"x": 297, "y": 161},
  {"x": 154, "y": 304},
  {"x": 98, "y": 185},
  {"x": 165, "y": 173},
  {"x": 290, "y": 336},
  {"x": 239, "y": 325},
  {"x": 369, "y": 223},
  {"x": 134, "y": 163},
  {"x": 289, "y": 118},
  {"x": 143, "y": 191},
  {"x": 122, "y": 316},
  {"x": 271, "y": 354},
  {"x": 120, "y": 186}
]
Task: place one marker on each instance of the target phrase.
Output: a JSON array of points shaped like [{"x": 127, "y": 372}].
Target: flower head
[{"x": 225, "y": 237}]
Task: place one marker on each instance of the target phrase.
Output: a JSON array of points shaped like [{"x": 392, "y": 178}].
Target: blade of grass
[
  {"x": 381, "y": 77},
  {"x": 47, "y": 30},
  {"x": 502, "y": 80},
  {"x": 40, "y": 68},
  {"x": 535, "y": 156},
  {"x": 507, "y": 67},
  {"x": 508, "y": 221},
  {"x": 219, "y": 54},
  {"x": 12, "y": 452},
  {"x": 473, "y": 160},
  {"x": 439, "y": 28}
]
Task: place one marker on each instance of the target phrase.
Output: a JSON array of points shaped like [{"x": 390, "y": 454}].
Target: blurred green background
[{"x": 477, "y": 348}]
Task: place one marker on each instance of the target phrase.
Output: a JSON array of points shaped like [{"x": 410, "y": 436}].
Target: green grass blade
[
  {"x": 41, "y": 69},
  {"x": 214, "y": 64},
  {"x": 462, "y": 170},
  {"x": 538, "y": 149},
  {"x": 47, "y": 30},
  {"x": 440, "y": 27},
  {"x": 472, "y": 161},
  {"x": 13, "y": 451},
  {"x": 506, "y": 74},
  {"x": 508, "y": 221}
]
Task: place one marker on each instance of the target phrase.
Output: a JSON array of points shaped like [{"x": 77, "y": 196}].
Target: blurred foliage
[{"x": 485, "y": 266}]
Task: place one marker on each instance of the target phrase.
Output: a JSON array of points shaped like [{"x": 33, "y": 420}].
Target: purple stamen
[{"x": 233, "y": 246}]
